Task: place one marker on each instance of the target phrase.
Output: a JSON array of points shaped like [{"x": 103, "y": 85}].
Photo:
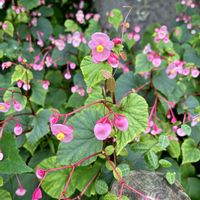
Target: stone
[{"x": 152, "y": 184}]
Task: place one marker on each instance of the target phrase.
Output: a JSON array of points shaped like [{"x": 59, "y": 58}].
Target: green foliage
[
  {"x": 115, "y": 18},
  {"x": 12, "y": 162}
]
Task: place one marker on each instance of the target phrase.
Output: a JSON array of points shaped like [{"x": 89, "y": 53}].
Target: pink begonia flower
[
  {"x": 17, "y": 106},
  {"x": 155, "y": 130},
  {"x": 67, "y": 75},
  {"x": 40, "y": 173},
  {"x": 6, "y": 65},
  {"x": 113, "y": 60},
  {"x": 2, "y": 3},
  {"x": 180, "y": 132},
  {"x": 96, "y": 17},
  {"x": 20, "y": 191},
  {"x": 45, "y": 84},
  {"x": 186, "y": 71},
  {"x": 103, "y": 128},
  {"x": 173, "y": 120},
  {"x": 80, "y": 17},
  {"x": 18, "y": 129},
  {"x": 171, "y": 71},
  {"x": 117, "y": 40},
  {"x": 26, "y": 87},
  {"x": 195, "y": 72},
  {"x": 137, "y": 29},
  {"x": 195, "y": 120},
  {"x": 154, "y": 58},
  {"x": 101, "y": 46},
  {"x": 121, "y": 122},
  {"x": 72, "y": 65},
  {"x": 4, "y": 107},
  {"x": 76, "y": 39},
  {"x": 1, "y": 155},
  {"x": 4, "y": 26},
  {"x": 64, "y": 133},
  {"x": 136, "y": 37},
  {"x": 161, "y": 34},
  {"x": 48, "y": 61},
  {"x": 37, "y": 194},
  {"x": 54, "y": 119},
  {"x": 147, "y": 49},
  {"x": 60, "y": 44}
]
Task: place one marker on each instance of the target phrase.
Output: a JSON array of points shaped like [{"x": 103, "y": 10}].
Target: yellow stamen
[
  {"x": 2, "y": 107},
  {"x": 60, "y": 136},
  {"x": 99, "y": 48},
  {"x": 172, "y": 71}
]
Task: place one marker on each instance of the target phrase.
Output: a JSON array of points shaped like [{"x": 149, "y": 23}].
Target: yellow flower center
[
  {"x": 172, "y": 71},
  {"x": 60, "y": 136},
  {"x": 100, "y": 48},
  {"x": 2, "y": 107}
]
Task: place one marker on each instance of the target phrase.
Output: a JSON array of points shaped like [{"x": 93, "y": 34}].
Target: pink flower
[
  {"x": 195, "y": 72},
  {"x": 4, "y": 26},
  {"x": 186, "y": 71},
  {"x": 48, "y": 61},
  {"x": 1, "y": 155},
  {"x": 17, "y": 106},
  {"x": 4, "y": 107},
  {"x": 156, "y": 130},
  {"x": 121, "y": 122},
  {"x": 76, "y": 39},
  {"x": 45, "y": 84},
  {"x": 147, "y": 49},
  {"x": 60, "y": 44},
  {"x": 136, "y": 37},
  {"x": 101, "y": 46},
  {"x": 6, "y": 65},
  {"x": 20, "y": 191},
  {"x": 171, "y": 71},
  {"x": 173, "y": 120},
  {"x": 80, "y": 17},
  {"x": 40, "y": 173},
  {"x": 54, "y": 119},
  {"x": 72, "y": 65},
  {"x": 153, "y": 57},
  {"x": 63, "y": 132},
  {"x": 180, "y": 132},
  {"x": 113, "y": 60},
  {"x": 26, "y": 87},
  {"x": 18, "y": 129},
  {"x": 103, "y": 128},
  {"x": 37, "y": 194},
  {"x": 67, "y": 75},
  {"x": 117, "y": 40},
  {"x": 137, "y": 29},
  {"x": 161, "y": 34}
]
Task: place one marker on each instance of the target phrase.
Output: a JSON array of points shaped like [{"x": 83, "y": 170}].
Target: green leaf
[
  {"x": 165, "y": 163},
  {"x": 93, "y": 72},
  {"x": 1, "y": 54},
  {"x": 55, "y": 181},
  {"x": 84, "y": 139},
  {"x": 152, "y": 159},
  {"x": 163, "y": 141},
  {"x": 21, "y": 73},
  {"x": 87, "y": 173},
  {"x": 15, "y": 93},
  {"x": 1, "y": 181},
  {"x": 9, "y": 29},
  {"x": 171, "y": 177},
  {"x": 40, "y": 125},
  {"x": 174, "y": 149},
  {"x": 38, "y": 94},
  {"x": 101, "y": 187},
  {"x": 190, "y": 152},
  {"x": 109, "y": 150},
  {"x": 142, "y": 64},
  {"x": 187, "y": 129},
  {"x": 115, "y": 18},
  {"x": 92, "y": 28},
  {"x": 5, "y": 195},
  {"x": 70, "y": 26},
  {"x": 126, "y": 82},
  {"x": 192, "y": 188},
  {"x": 12, "y": 163},
  {"x": 168, "y": 87},
  {"x": 30, "y": 4},
  {"x": 135, "y": 108},
  {"x": 110, "y": 196},
  {"x": 125, "y": 169}
]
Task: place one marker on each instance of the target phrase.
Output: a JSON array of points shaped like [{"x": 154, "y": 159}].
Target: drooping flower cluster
[
  {"x": 103, "y": 127},
  {"x": 152, "y": 56},
  {"x": 5, "y": 106},
  {"x": 178, "y": 67},
  {"x": 161, "y": 34},
  {"x": 135, "y": 34},
  {"x": 70, "y": 66},
  {"x": 78, "y": 89}
]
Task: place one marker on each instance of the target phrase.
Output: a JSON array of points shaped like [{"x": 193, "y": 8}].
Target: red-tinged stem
[
  {"x": 153, "y": 108},
  {"x": 141, "y": 87},
  {"x": 87, "y": 186},
  {"x": 121, "y": 191},
  {"x": 67, "y": 184},
  {"x": 19, "y": 182},
  {"x": 137, "y": 192},
  {"x": 13, "y": 91}
]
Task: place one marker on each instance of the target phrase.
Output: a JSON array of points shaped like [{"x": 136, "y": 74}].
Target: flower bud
[
  {"x": 18, "y": 129},
  {"x": 20, "y": 191},
  {"x": 121, "y": 122},
  {"x": 40, "y": 173}
]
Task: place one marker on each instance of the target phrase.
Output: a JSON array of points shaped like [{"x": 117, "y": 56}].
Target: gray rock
[
  {"x": 152, "y": 184},
  {"x": 144, "y": 12}
]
